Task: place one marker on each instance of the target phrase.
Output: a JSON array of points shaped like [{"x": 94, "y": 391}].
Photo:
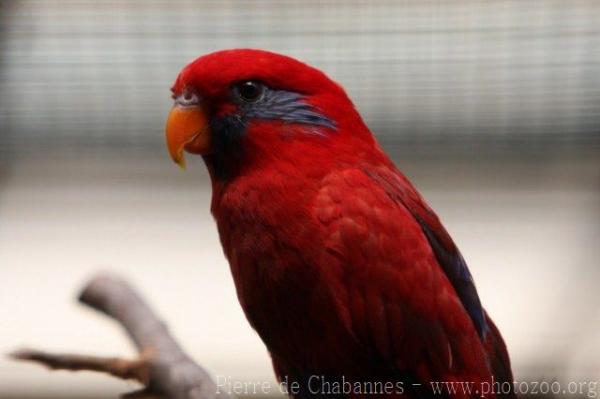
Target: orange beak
[{"x": 187, "y": 129}]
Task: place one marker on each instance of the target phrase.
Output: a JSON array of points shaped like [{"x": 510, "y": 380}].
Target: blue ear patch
[
  {"x": 276, "y": 105},
  {"x": 286, "y": 106}
]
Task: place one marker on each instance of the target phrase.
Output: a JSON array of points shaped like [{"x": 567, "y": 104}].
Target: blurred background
[{"x": 492, "y": 108}]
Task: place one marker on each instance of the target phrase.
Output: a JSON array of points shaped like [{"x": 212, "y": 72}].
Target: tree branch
[
  {"x": 162, "y": 367},
  {"x": 121, "y": 368}
]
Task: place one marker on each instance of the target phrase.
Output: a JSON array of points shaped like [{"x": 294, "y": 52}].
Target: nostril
[{"x": 187, "y": 98}]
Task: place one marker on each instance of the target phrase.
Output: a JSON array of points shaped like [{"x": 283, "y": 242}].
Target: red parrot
[{"x": 339, "y": 264}]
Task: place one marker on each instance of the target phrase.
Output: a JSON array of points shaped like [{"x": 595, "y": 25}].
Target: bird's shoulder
[{"x": 399, "y": 299}]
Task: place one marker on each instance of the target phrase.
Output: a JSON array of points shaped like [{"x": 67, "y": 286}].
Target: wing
[
  {"x": 399, "y": 189},
  {"x": 410, "y": 296}
]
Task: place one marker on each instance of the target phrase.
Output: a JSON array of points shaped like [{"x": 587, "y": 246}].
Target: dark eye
[{"x": 249, "y": 91}]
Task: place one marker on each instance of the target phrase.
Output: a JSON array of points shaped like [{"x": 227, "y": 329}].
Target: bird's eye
[
  {"x": 249, "y": 91},
  {"x": 187, "y": 99}
]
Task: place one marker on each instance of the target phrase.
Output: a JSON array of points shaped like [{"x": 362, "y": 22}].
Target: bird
[{"x": 341, "y": 267}]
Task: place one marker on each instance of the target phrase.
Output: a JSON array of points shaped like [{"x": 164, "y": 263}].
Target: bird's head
[{"x": 243, "y": 106}]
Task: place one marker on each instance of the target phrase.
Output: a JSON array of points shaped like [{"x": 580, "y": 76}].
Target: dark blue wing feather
[{"x": 447, "y": 255}]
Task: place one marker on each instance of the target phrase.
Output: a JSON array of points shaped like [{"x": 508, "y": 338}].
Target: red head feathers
[{"x": 235, "y": 90}]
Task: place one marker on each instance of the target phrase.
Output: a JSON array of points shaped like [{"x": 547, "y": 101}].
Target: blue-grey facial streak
[
  {"x": 274, "y": 105},
  {"x": 288, "y": 107}
]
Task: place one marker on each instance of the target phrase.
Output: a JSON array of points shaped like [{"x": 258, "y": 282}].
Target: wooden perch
[{"x": 162, "y": 366}]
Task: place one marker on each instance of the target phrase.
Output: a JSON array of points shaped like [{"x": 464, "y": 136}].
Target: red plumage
[{"x": 339, "y": 264}]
